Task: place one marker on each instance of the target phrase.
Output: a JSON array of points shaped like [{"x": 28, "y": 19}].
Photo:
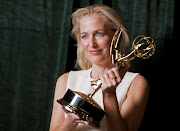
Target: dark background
[{"x": 36, "y": 48}]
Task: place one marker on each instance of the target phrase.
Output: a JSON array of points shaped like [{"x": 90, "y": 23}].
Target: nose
[{"x": 92, "y": 42}]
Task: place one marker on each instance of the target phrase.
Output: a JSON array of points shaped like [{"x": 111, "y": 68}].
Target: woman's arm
[
  {"x": 114, "y": 120},
  {"x": 57, "y": 116},
  {"x": 127, "y": 116},
  {"x": 132, "y": 109},
  {"x": 58, "y": 121}
]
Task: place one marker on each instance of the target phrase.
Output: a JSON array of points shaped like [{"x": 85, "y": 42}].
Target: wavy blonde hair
[{"x": 110, "y": 16}]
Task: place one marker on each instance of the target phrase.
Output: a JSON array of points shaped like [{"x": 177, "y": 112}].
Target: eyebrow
[{"x": 93, "y": 31}]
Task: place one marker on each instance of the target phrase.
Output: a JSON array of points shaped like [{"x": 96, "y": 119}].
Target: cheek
[
  {"x": 106, "y": 43},
  {"x": 84, "y": 46}
]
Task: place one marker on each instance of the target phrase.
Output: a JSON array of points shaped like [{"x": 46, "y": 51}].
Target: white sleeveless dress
[{"x": 80, "y": 81}]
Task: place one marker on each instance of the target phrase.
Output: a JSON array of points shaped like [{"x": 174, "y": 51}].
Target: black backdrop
[{"x": 36, "y": 48}]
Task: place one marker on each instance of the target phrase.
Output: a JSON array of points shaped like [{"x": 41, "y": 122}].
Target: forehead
[{"x": 92, "y": 22}]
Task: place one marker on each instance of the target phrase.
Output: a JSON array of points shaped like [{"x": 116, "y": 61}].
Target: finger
[
  {"x": 64, "y": 109},
  {"x": 87, "y": 123},
  {"x": 74, "y": 116},
  {"x": 107, "y": 80},
  {"x": 112, "y": 77},
  {"x": 61, "y": 106},
  {"x": 117, "y": 74},
  {"x": 111, "y": 74},
  {"x": 82, "y": 122}
]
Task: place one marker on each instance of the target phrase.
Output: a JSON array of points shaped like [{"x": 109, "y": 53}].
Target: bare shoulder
[
  {"x": 61, "y": 84},
  {"x": 63, "y": 78},
  {"x": 139, "y": 87},
  {"x": 139, "y": 80}
]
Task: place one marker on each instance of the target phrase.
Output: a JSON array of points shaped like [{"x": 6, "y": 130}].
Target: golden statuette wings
[{"x": 142, "y": 47}]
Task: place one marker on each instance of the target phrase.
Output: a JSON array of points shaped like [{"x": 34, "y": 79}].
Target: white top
[{"x": 80, "y": 81}]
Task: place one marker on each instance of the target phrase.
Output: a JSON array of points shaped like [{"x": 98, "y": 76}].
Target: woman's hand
[
  {"x": 73, "y": 118},
  {"x": 112, "y": 78}
]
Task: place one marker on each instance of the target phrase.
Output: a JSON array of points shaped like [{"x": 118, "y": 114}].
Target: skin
[{"x": 96, "y": 36}]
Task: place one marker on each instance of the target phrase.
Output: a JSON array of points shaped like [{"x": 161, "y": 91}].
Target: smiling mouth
[{"x": 94, "y": 52}]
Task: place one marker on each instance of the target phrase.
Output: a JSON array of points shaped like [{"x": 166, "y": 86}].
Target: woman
[{"x": 123, "y": 95}]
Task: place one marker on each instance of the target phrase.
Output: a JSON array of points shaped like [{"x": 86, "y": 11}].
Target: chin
[{"x": 100, "y": 61}]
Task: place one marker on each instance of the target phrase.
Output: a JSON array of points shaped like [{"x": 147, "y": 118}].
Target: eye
[
  {"x": 84, "y": 37},
  {"x": 100, "y": 34}
]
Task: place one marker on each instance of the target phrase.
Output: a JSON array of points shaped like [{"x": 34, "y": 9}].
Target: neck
[{"x": 98, "y": 71}]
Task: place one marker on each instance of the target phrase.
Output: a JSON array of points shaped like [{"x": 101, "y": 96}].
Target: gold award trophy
[{"x": 83, "y": 105}]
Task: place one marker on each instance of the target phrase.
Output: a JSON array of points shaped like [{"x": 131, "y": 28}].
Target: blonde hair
[{"x": 112, "y": 18}]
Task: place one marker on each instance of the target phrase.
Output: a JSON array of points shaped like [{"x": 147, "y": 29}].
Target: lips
[{"x": 94, "y": 52}]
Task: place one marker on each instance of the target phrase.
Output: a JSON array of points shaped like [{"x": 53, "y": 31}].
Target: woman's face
[{"x": 96, "y": 36}]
